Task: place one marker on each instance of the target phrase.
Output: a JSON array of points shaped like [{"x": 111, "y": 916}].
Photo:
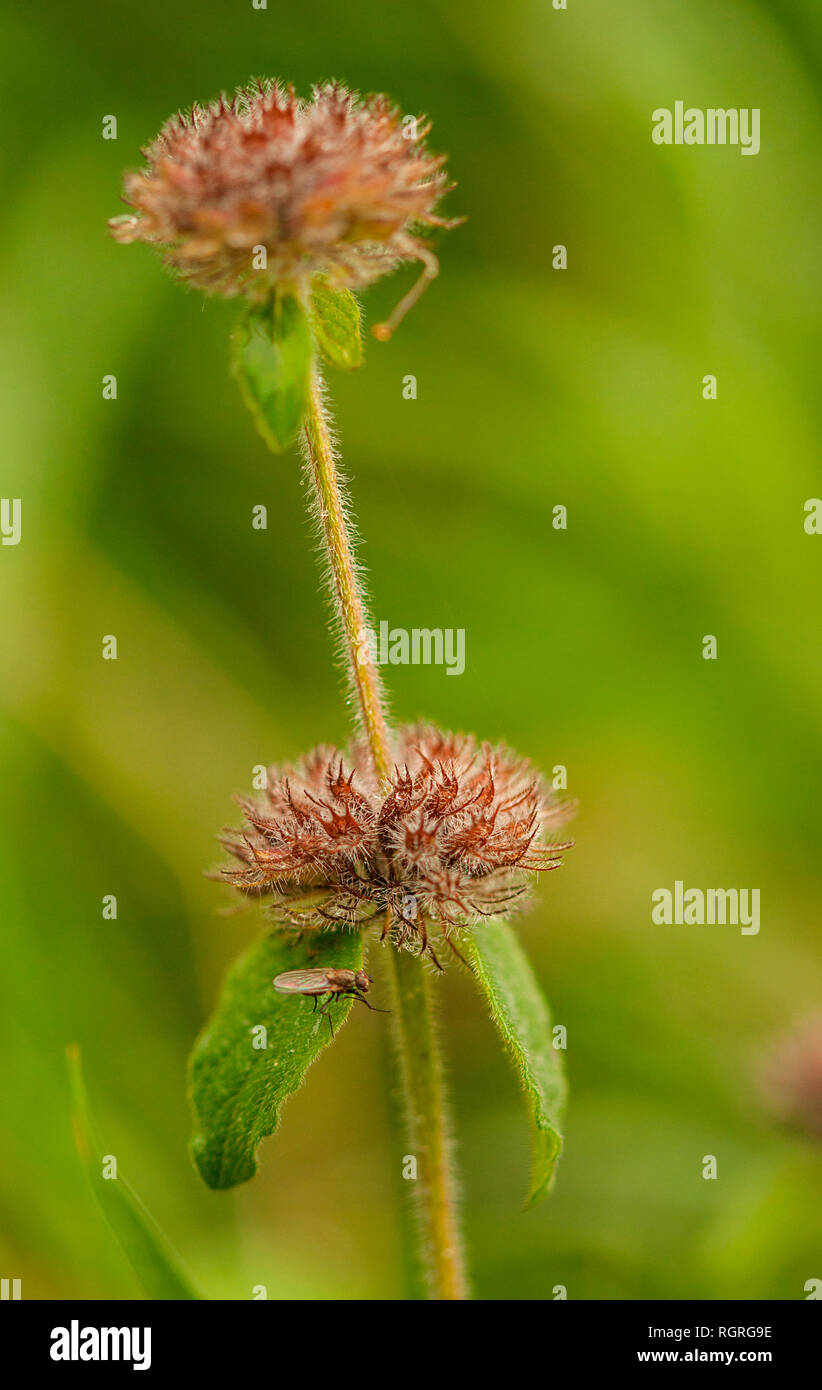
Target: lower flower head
[{"x": 453, "y": 840}]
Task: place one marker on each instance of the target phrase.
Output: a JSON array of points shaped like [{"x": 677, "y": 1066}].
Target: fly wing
[{"x": 303, "y": 982}]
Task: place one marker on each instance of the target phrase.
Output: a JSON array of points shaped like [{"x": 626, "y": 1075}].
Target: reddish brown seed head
[
  {"x": 336, "y": 184},
  {"x": 455, "y": 838}
]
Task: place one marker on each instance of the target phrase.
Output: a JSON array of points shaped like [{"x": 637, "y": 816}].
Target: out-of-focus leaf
[
  {"x": 272, "y": 349},
  {"x": 240, "y": 1074},
  {"x": 335, "y": 319},
  {"x": 521, "y": 1014},
  {"x": 145, "y": 1246}
]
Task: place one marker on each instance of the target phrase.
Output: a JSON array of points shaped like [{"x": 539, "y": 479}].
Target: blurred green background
[{"x": 536, "y": 387}]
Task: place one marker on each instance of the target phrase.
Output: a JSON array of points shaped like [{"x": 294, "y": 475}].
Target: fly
[{"x": 315, "y": 984}]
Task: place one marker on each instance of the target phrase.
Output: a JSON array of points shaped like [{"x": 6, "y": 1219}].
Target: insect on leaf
[
  {"x": 521, "y": 1015},
  {"x": 335, "y": 319},
  {"x": 257, "y": 1048},
  {"x": 143, "y": 1243},
  {"x": 271, "y": 359}
]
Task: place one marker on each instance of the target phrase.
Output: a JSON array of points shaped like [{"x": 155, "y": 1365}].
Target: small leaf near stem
[
  {"x": 144, "y": 1245},
  {"x": 521, "y": 1015},
  {"x": 257, "y": 1048},
  {"x": 335, "y": 319},
  {"x": 271, "y": 358}
]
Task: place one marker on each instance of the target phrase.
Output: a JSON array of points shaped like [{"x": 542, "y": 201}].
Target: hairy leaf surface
[
  {"x": 335, "y": 318},
  {"x": 272, "y": 349},
  {"x": 238, "y": 1085},
  {"x": 522, "y": 1017}
]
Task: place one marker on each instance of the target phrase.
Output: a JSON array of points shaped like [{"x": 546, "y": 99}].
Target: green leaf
[
  {"x": 237, "y": 1088},
  {"x": 149, "y": 1253},
  {"x": 524, "y": 1022},
  {"x": 335, "y": 319},
  {"x": 272, "y": 348}
]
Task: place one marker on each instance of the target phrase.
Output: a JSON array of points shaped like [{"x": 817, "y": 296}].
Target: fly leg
[
  {"x": 324, "y": 1009},
  {"x": 372, "y": 1007}
]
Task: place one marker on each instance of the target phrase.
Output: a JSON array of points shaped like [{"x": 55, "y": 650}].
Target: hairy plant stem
[
  {"x": 426, "y": 1116},
  {"x": 350, "y": 606},
  {"x": 417, "y": 1051}
]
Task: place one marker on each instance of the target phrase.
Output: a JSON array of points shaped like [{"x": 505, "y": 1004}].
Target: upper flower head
[
  {"x": 452, "y": 841},
  {"x": 336, "y": 184}
]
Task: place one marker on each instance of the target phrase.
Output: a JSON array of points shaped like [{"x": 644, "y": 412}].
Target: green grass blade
[{"x": 143, "y": 1243}]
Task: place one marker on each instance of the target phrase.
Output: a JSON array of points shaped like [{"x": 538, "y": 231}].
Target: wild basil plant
[{"x": 411, "y": 847}]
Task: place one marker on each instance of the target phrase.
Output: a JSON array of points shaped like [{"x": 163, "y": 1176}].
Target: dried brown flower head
[
  {"x": 332, "y": 184},
  {"x": 453, "y": 841}
]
